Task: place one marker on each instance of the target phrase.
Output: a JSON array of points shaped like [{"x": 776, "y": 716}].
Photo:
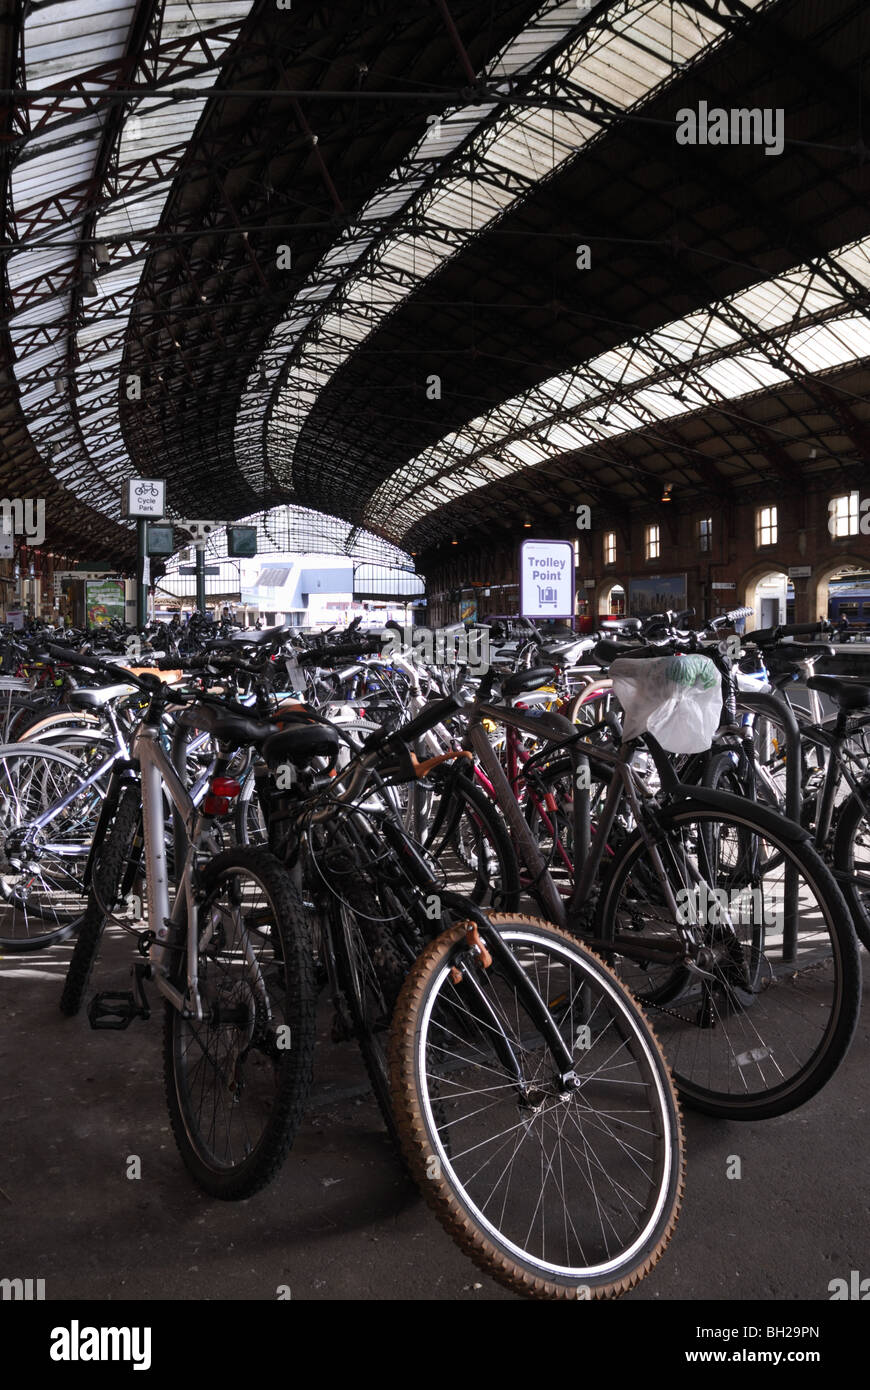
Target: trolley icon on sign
[{"x": 548, "y": 595}]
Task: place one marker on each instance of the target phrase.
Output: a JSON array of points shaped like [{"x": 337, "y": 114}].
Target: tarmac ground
[{"x": 341, "y": 1221}]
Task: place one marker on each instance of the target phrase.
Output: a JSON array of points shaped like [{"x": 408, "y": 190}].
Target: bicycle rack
[{"x": 778, "y": 706}]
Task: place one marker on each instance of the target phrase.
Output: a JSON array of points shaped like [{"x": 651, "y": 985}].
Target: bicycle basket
[{"x": 677, "y": 699}]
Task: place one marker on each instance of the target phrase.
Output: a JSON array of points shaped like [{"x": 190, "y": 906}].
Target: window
[
  {"x": 705, "y": 533},
  {"x": 610, "y": 547},
  {"x": 843, "y": 515},
  {"x": 765, "y": 526},
  {"x": 653, "y": 543}
]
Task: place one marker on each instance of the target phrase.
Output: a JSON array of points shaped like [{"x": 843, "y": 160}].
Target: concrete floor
[{"x": 341, "y": 1222}]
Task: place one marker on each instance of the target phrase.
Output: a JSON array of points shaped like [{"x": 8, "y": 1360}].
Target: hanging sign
[
  {"x": 144, "y": 497},
  {"x": 547, "y": 579}
]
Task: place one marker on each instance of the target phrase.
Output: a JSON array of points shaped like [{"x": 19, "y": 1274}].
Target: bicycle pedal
[{"x": 115, "y": 1009}]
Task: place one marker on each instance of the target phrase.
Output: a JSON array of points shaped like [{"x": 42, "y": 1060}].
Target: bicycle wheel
[
  {"x": 468, "y": 839},
  {"x": 851, "y": 855},
  {"x": 591, "y": 711},
  {"x": 117, "y": 862},
  {"x": 371, "y": 971},
  {"x": 40, "y": 725},
  {"x": 757, "y": 1013},
  {"x": 41, "y": 868},
  {"x": 549, "y": 807},
  {"x": 237, "y": 1081},
  {"x": 557, "y": 1194}
]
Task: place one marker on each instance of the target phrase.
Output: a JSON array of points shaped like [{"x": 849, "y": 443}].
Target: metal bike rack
[{"x": 779, "y": 707}]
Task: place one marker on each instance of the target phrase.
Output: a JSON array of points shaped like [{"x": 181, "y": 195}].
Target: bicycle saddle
[
  {"x": 847, "y": 692},
  {"x": 625, "y": 625},
  {"x": 300, "y": 744},
  {"x": 249, "y": 637},
  {"x": 608, "y": 650},
  {"x": 95, "y": 699},
  {"x": 521, "y": 682},
  {"x": 230, "y": 728}
]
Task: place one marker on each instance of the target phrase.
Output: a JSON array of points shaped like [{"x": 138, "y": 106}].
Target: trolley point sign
[{"x": 547, "y": 579}]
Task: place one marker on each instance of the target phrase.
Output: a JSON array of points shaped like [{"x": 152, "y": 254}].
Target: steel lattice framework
[{"x": 240, "y": 244}]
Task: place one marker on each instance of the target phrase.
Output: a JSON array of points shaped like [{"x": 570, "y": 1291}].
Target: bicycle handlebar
[
  {"x": 768, "y": 635},
  {"x": 433, "y": 714}
]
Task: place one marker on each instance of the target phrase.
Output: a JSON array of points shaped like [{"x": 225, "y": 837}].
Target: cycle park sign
[
  {"x": 547, "y": 579},
  {"x": 144, "y": 497}
]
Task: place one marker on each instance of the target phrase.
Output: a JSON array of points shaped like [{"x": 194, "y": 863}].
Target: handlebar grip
[
  {"x": 69, "y": 655},
  {"x": 803, "y": 629},
  {"x": 94, "y": 663},
  {"x": 684, "y": 617},
  {"x": 768, "y": 635}
]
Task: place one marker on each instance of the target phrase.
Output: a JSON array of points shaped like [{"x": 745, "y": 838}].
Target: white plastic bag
[{"x": 677, "y": 699}]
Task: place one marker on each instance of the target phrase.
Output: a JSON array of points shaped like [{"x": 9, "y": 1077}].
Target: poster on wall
[
  {"x": 656, "y": 594},
  {"x": 104, "y": 600},
  {"x": 468, "y": 609},
  {"x": 547, "y": 579}
]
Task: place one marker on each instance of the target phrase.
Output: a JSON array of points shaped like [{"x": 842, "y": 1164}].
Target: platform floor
[{"x": 341, "y": 1222}]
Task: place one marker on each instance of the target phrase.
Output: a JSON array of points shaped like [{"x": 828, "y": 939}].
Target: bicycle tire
[
  {"x": 825, "y": 975},
  {"x": 850, "y": 819},
  {"x": 475, "y": 825},
  {"x": 276, "y": 1084},
  {"x": 556, "y": 780},
  {"x": 610, "y": 1258},
  {"x": 108, "y": 875},
  {"x": 371, "y": 974},
  {"x": 44, "y": 926}
]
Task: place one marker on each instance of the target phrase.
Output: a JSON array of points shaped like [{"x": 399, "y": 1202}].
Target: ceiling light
[
  {"x": 89, "y": 288},
  {"x": 527, "y": 525},
  {"x": 666, "y": 492}
]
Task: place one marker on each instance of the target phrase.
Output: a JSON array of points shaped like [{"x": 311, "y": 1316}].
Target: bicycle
[
  {"x": 230, "y": 956},
  {"x": 529, "y": 1095},
  {"x": 770, "y": 986}
]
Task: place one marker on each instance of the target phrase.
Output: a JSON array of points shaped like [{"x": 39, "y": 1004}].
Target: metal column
[
  {"x": 200, "y": 578},
  {"x": 141, "y": 587}
]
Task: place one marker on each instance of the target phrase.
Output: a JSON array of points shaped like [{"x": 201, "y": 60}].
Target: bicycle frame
[
  {"x": 589, "y": 851},
  {"x": 415, "y": 871},
  {"x": 158, "y": 774}
]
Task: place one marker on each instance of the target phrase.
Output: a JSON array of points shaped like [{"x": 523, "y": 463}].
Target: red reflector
[
  {"x": 225, "y": 786},
  {"x": 215, "y": 805}
]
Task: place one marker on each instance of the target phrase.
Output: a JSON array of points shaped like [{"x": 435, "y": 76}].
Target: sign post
[
  {"x": 144, "y": 499},
  {"x": 547, "y": 579}
]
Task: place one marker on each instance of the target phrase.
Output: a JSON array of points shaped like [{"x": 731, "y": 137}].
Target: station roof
[{"x": 428, "y": 269}]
